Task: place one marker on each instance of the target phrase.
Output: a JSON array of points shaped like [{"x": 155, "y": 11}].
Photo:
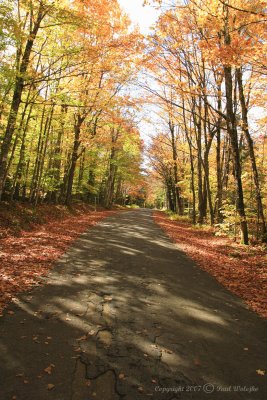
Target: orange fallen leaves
[
  {"x": 49, "y": 369},
  {"x": 25, "y": 259},
  {"x": 245, "y": 275}
]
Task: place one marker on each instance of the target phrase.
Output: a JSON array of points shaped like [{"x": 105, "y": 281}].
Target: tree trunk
[
  {"x": 249, "y": 140},
  {"x": 178, "y": 200},
  {"x": 74, "y": 157},
  {"x": 16, "y": 100},
  {"x": 111, "y": 179},
  {"x": 232, "y": 131}
]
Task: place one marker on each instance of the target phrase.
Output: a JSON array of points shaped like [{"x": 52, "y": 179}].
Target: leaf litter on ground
[
  {"x": 28, "y": 255},
  {"x": 245, "y": 275}
]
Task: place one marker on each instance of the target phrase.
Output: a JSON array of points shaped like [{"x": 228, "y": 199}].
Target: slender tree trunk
[
  {"x": 192, "y": 168},
  {"x": 76, "y": 144},
  {"x": 39, "y": 151},
  {"x": 232, "y": 131},
  {"x": 201, "y": 197},
  {"x": 18, "y": 174},
  {"x": 249, "y": 140},
  {"x": 218, "y": 204},
  {"x": 208, "y": 190},
  {"x": 179, "y": 204},
  {"x": 109, "y": 192},
  {"x": 43, "y": 154}
]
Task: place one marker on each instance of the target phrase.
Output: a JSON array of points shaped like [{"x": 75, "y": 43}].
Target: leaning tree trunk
[{"x": 16, "y": 100}]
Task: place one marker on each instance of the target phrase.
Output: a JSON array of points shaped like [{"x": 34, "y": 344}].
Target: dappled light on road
[{"x": 125, "y": 311}]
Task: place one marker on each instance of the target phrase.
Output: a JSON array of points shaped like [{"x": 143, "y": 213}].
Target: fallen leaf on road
[
  {"x": 10, "y": 312},
  {"x": 121, "y": 376},
  {"x": 50, "y": 386},
  {"x": 48, "y": 369},
  {"x": 260, "y": 372},
  {"x": 140, "y": 389}
]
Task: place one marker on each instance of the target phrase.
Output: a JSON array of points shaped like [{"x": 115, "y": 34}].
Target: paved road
[{"x": 126, "y": 315}]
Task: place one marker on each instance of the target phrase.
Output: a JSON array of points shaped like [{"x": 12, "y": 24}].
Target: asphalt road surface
[{"x": 125, "y": 315}]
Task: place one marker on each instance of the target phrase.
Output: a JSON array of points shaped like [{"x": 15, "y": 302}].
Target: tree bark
[
  {"x": 76, "y": 144},
  {"x": 178, "y": 200},
  {"x": 249, "y": 140},
  {"x": 232, "y": 131},
  {"x": 16, "y": 100}
]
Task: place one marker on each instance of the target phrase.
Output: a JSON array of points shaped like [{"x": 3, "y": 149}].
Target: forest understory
[{"x": 241, "y": 269}]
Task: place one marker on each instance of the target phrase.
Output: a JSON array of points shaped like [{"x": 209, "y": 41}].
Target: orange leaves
[
  {"x": 50, "y": 386},
  {"x": 20, "y": 263},
  {"x": 242, "y": 276},
  {"x": 49, "y": 369}
]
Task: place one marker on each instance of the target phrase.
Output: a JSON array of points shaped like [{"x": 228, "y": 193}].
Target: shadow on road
[{"x": 126, "y": 315}]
